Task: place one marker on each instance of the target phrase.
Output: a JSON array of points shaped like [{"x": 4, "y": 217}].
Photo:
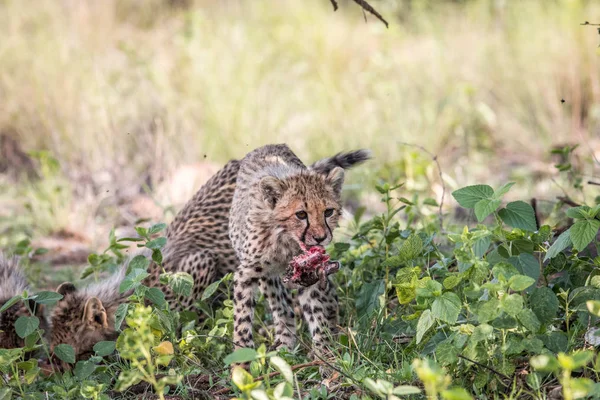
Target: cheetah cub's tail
[{"x": 344, "y": 160}]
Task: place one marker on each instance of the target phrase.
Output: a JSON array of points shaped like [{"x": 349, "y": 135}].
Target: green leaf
[
  {"x": 482, "y": 332},
  {"x": 485, "y": 207},
  {"x": 283, "y": 391},
  {"x": 528, "y": 319},
  {"x": 128, "y": 378},
  {"x": 182, "y": 283},
  {"x": 83, "y": 369},
  {"x": 157, "y": 243},
  {"x": 425, "y": 322},
  {"x": 65, "y": 353},
  {"x": 520, "y": 282},
  {"x": 157, "y": 256},
  {"x": 502, "y": 190},
  {"x": 581, "y": 212},
  {"x": 411, "y": 248},
  {"x": 156, "y": 296},
  {"x": 138, "y": 262},
  {"x": 505, "y": 270},
  {"x": 47, "y": 297},
  {"x": 544, "y": 363},
  {"x": 156, "y": 228},
  {"x": 133, "y": 280},
  {"x": 468, "y": 196},
  {"x": 11, "y": 302},
  {"x": 243, "y": 380},
  {"x": 25, "y": 326},
  {"x": 104, "y": 348},
  {"x": 241, "y": 356},
  {"x": 581, "y": 387},
  {"x": 367, "y": 300},
  {"x": 556, "y": 341},
  {"x": 446, "y": 353},
  {"x": 544, "y": 304},
  {"x": 283, "y": 367},
  {"x": 581, "y": 358},
  {"x": 210, "y": 290},
  {"x": 120, "y": 315},
  {"x": 512, "y": 304},
  {"x": 456, "y": 393},
  {"x": 519, "y": 214},
  {"x": 488, "y": 310},
  {"x": 593, "y": 307},
  {"x": 451, "y": 281},
  {"x": 527, "y": 265},
  {"x": 481, "y": 246},
  {"x": 561, "y": 243},
  {"x": 5, "y": 393},
  {"x": 583, "y": 232},
  {"x": 405, "y": 390},
  {"x": 446, "y": 307},
  {"x": 430, "y": 202}
]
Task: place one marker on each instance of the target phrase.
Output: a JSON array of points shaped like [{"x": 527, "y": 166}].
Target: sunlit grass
[{"x": 132, "y": 91}]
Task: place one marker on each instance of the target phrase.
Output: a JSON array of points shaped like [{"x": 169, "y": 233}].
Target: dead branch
[{"x": 366, "y": 7}]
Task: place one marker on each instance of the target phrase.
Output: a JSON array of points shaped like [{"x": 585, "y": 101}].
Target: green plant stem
[{"x": 566, "y": 384}]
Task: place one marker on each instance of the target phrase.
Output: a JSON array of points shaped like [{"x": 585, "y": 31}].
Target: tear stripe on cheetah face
[
  {"x": 279, "y": 203},
  {"x": 12, "y": 283}
]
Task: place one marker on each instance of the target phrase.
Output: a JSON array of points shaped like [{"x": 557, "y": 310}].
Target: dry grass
[{"x": 119, "y": 92}]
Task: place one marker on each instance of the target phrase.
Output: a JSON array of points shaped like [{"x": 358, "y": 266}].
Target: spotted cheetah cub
[
  {"x": 12, "y": 283},
  {"x": 279, "y": 204}
]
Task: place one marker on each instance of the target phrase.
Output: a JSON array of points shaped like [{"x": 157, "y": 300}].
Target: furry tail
[
  {"x": 344, "y": 160},
  {"x": 12, "y": 279}
]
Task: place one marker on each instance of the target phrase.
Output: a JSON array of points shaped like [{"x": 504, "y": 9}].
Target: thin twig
[
  {"x": 568, "y": 201},
  {"x": 535, "y": 212},
  {"x": 485, "y": 366},
  {"x": 587, "y": 23},
  {"x": 367, "y": 7},
  {"x": 439, "y": 168},
  {"x": 593, "y": 183},
  {"x": 275, "y": 373},
  {"x": 334, "y": 4}
]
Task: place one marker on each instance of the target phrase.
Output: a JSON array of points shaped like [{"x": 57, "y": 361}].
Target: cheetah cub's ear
[
  {"x": 335, "y": 178},
  {"x": 271, "y": 189},
  {"x": 94, "y": 314},
  {"x": 66, "y": 288}
]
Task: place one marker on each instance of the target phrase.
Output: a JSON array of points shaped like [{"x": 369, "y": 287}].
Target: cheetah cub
[
  {"x": 197, "y": 243},
  {"x": 12, "y": 283},
  {"x": 278, "y": 204}
]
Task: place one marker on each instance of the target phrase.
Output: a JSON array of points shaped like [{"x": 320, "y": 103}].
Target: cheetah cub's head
[
  {"x": 306, "y": 206},
  {"x": 80, "y": 320}
]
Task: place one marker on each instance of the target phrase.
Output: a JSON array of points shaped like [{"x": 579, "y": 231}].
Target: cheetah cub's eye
[
  {"x": 301, "y": 215},
  {"x": 329, "y": 212}
]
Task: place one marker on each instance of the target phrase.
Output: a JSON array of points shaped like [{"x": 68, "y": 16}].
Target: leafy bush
[{"x": 451, "y": 312}]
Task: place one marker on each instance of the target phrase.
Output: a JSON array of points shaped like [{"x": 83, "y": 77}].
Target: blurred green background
[{"x": 118, "y": 110}]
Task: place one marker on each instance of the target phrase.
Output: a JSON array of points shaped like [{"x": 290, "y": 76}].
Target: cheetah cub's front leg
[
  {"x": 244, "y": 288},
  {"x": 280, "y": 303}
]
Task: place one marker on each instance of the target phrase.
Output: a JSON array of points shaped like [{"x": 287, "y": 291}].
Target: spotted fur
[
  {"x": 279, "y": 203},
  {"x": 12, "y": 283}
]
